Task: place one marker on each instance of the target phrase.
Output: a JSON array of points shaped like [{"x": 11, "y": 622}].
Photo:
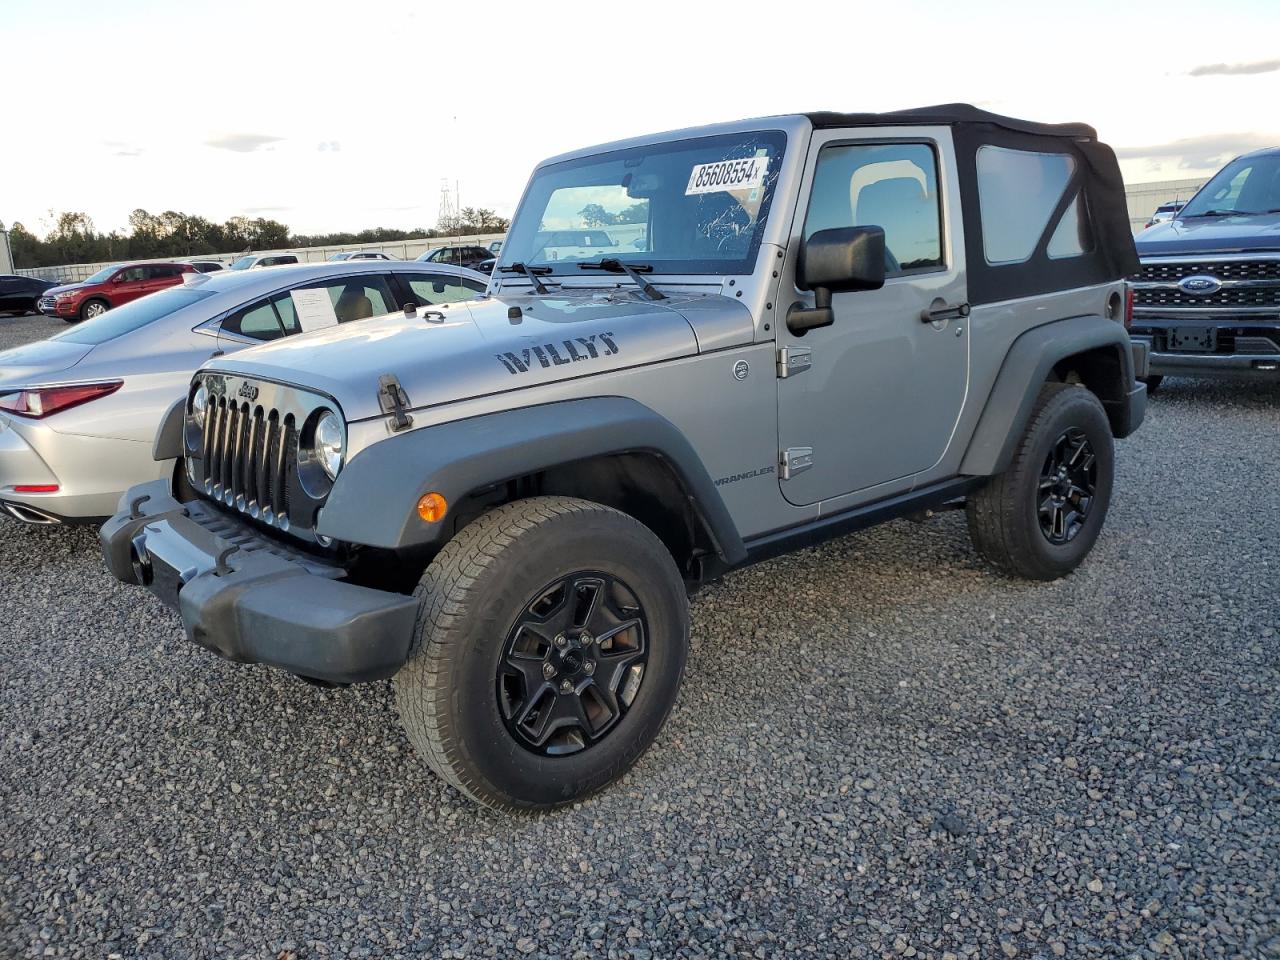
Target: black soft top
[
  {"x": 1107, "y": 237},
  {"x": 951, "y": 114}
]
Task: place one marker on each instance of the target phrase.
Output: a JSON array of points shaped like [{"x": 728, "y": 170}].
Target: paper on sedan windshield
[{"x": 315, "y": 309}]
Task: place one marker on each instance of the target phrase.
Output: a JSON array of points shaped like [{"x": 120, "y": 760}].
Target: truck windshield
[
  {"x": 683, "y": 207},
  {"x": 1245, "y": 185}
]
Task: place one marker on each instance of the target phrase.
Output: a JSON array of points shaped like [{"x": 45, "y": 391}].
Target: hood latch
[{"x": 394, "y": 402}]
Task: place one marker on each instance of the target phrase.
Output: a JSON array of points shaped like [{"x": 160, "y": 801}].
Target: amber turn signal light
[{"x": 432, "y": 507}]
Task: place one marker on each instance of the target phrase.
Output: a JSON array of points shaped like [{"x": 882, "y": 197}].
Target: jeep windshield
[
  {"x": 1246, "y": 185},
  {"x": 682, "y": 207}
]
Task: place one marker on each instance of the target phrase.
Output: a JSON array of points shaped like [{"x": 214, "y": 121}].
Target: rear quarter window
[{"x": 1018, "y": 192}]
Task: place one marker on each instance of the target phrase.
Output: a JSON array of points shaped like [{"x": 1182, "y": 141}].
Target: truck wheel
[
  {"x": 1152, "y": 382},
  {"x": 1040, "y": 518},
  {"x": 550, "y": 643}
]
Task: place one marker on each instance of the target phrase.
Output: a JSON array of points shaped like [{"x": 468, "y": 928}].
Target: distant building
[{"x": 1143, "y": 198}]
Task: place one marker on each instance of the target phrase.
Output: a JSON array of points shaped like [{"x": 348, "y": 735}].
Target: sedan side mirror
[{"x": 841, "y": 259}]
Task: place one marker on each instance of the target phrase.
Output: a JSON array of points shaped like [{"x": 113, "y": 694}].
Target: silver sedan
[{"x": 79, "y": 411}]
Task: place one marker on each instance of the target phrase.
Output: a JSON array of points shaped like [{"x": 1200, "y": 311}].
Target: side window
[
  {"x": 258, "y": 322},
  {"x": 1071, "y": 238},
  {"x": 430, "y": 289},
  {"x": 889, "y": 185},
  {"x": 161, "y": 272},
  {"x": 132, "y": 275},
  {"x": 1017, "y": 194},
  {"x": 353, "y": 298}
]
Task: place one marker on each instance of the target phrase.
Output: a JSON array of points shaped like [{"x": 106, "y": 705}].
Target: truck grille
[
  {"x": 1249, "y": 286},
  {"x": 248, "y": 453}
]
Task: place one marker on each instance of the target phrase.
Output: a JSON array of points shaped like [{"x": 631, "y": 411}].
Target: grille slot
[{"x": 247, "y": 459}]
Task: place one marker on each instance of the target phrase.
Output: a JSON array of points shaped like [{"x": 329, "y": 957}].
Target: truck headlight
[
  {"x": 329, "y": 444},
  {"x": 200, "y": 406}
]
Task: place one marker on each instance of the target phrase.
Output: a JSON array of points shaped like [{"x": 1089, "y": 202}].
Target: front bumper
[
  {"x": 1247, "y": 349},
  {"x": 254, "y": 600}
]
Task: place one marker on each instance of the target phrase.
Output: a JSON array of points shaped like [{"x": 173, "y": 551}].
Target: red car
[{"x": 110, "y": 287}]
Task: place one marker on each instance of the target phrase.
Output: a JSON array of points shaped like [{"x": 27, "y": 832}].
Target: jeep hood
[
  {"x": 493, "y": 345},
  {"x": 1197, "y": 235}
]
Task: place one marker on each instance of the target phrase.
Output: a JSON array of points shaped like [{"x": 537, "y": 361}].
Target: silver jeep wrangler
[{"x": 798, "y": 326}]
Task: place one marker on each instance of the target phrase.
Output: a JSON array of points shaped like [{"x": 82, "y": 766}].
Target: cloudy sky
[{"x": 334, "y": 116}]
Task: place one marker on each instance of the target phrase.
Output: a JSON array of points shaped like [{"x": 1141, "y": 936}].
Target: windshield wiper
[
  {"x": 1218, "y": 213},
  {"x": 531, "y": 272},
  {"x": 632, "y": 270}
]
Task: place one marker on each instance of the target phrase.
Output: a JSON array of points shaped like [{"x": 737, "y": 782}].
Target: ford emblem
[{"x": 1200, "y": 285}]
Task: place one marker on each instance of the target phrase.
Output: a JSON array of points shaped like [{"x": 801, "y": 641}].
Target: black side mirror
[{"x": 844, "y": 258}]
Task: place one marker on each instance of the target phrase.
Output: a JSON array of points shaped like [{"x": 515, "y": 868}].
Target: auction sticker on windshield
[{"x": 745, "y": 174}]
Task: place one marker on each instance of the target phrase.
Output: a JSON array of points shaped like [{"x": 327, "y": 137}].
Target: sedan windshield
[
  {"x": 132, "y": 316},
  {"x": 1245, "y": 185},
  {"x": 685, "y": 207}
]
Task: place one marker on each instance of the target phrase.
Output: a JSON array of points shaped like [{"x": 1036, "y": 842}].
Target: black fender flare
[
  {"x": 1026, "y": 367},
  {"x": 373, "y": 501}
]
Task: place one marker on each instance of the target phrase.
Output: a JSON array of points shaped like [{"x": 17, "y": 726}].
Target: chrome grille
[
  {"x": 1171, "y": 296},
  {"x": 246, "y": 458},
  {"x": 1171, "y": 271},
  {"x": 1250, "y": 285},
  {"x": 47, "y": 303},
  {"x": 248, "y": 452}
]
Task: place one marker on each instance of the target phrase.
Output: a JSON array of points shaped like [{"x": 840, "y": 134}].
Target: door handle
[{"x": 940, "y": 310}]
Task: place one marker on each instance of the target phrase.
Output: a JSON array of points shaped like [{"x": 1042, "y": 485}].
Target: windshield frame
[
  {"x": 1198, "y": 207},
  {"x": 779, "y": 139}
]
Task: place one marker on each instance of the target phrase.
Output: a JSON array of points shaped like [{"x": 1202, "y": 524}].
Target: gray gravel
[{"x": 928, "y": 761}]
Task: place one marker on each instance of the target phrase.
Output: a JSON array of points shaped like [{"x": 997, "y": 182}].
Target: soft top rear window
[{"x": 132, "y": 316}]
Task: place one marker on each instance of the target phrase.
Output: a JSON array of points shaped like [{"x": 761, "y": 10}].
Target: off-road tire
[
  {"x": 1153, "y": 382},
  {"x": 1003, "y": 515},
  {"x": 470, "y": 598}
]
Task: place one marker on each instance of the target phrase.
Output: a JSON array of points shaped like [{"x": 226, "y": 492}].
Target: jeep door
[{"x": 885, "y": 383}]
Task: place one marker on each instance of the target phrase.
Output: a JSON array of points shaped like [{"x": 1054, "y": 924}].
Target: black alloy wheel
[
  {"x": 572, "y": 664},
  {"x": 1068, "y": 485}
]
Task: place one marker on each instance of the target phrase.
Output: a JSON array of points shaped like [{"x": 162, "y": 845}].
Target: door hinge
[
  {"x": 793, "y": 360},
  {"x": 794, "y": 460}
]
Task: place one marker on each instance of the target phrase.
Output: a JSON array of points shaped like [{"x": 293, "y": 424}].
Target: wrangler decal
[{"x": 562, "y": 352}]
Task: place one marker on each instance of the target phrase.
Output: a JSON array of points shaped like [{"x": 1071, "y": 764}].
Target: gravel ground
[{"x": 934, "y": 761}]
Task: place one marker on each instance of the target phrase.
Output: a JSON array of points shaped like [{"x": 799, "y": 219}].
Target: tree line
[{"x": 74, "y": 239}]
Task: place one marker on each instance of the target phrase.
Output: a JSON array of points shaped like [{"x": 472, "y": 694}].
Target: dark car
[
  {"x": 465, "y": 255},
  {"x": 1207, "y": 298},
  {"x": 110, "y": 287},
  {"x": 22, "y": 294},
  {"x": 208, "y": 266}
]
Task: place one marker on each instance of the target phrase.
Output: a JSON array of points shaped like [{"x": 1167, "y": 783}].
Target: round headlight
[
  {"x": 329, "y": 444},
  {"x": 200, "y": 405}
]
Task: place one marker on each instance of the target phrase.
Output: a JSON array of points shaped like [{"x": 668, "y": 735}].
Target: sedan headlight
[{"x": 329, "y": 444}]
